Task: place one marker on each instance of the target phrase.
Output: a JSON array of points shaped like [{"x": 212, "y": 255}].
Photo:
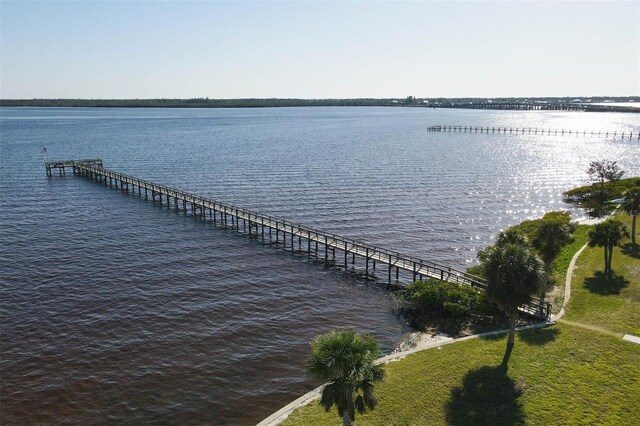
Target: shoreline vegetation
[
  {"x": 431, "y": 329},
  {"x": 437, "y": 310},
  {"x": 594, "y": 104},
  {"x": 579, "y": 371},
  {"x": 596, "y": 198}
]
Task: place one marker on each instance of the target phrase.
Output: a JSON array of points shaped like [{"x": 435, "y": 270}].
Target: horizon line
[{"x": 633, "y": 98}]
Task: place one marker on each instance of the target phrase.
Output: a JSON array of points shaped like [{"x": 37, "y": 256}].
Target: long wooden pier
[
  {"x": 333, "y": 249},
  {"x": 532, "y": 131}
]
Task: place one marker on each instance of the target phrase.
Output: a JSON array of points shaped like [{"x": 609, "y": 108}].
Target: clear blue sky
[{"x": 181, "y": 49}]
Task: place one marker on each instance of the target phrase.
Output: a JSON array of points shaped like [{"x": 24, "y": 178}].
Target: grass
[
  {"x": 561, "y": 264},
  {"x": 576, "y": 372},
  {"x": 553, "y": 378},
  {"x": 609, "y": 303}
]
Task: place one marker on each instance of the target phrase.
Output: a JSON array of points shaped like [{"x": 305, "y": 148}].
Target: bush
[
  {"x": 477, "y": 270},
  {"x": 529, "y": 228},
  {"x": 455, "y": 309},
  {"x": 522, "y": 233},
  {"x": 441, "y": 298}
]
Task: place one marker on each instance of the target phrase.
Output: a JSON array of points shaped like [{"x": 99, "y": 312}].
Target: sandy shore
[{"x": 417, "y": 340}]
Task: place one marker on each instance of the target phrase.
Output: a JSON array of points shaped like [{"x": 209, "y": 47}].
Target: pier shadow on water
[
  {"x": 606, "y": 284},
  {"x": 487, "y": 396}
]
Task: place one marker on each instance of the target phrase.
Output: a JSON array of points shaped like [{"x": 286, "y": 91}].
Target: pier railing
[
  {"x": 533, "y": 131},
  {"x": 62, "y": 165},
  {"x": 287, "y": 233}
]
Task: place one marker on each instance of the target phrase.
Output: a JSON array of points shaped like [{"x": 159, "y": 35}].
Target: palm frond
[{"x": 347, "y": 362}]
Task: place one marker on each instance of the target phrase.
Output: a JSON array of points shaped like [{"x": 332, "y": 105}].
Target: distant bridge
[
  {"x": 539, "y": 106},
  {"x": 565, "y": 106},
  {"x": 291, "y": 236}
]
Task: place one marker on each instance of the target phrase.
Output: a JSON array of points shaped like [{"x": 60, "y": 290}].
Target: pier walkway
[
  {"x": 333, "y": 249},
  {"x": 532, "y": 131}
]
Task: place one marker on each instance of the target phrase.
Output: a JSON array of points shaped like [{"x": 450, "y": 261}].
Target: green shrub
[
  {"x": 561, "y": 216},
  {"x": 441, "y": 298},
  {"x": 477, "y": 270},
  {"x": 528, "y": 228},
  {"x": 455, "y": 309}
]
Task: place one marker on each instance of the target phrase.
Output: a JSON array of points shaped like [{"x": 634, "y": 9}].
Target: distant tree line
[
  {"x": 409, "y": 101},
  {"x": 199, "y": 102}
]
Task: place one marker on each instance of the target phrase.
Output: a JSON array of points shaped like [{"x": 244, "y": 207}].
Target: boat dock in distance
[
  {"x": 532, "y": 131},
  {"x": 332, "y": 249}
]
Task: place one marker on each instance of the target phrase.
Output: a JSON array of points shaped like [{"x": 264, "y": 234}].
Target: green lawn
[
  {"x": 578, "y": 372},
  {"x": 557, "y": 375},
  {"x": 561, "y": 264},
  {"x": 611, "y": 304}
]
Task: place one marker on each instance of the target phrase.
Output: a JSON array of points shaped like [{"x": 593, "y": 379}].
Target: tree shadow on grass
[
  {"x": 487, "y": 397},
  {"x": 631, "y": 250},
  {"x": 536, "y": 336},
  {"x": 540, "y": 336},
  {"x": 606, "y": 284}
]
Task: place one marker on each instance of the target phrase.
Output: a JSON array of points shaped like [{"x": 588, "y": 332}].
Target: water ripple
[{"x": 117, "y": 310}]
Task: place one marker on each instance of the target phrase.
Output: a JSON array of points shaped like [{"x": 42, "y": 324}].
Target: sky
[{"x": 325, "y": 49}]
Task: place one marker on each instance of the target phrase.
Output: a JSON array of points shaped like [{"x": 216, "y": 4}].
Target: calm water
[{"x": 116, "y": 310}]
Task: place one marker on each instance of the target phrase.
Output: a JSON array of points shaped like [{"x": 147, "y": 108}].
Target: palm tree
[
  {"x": 346, "y": 361},
  {"x": 511, "y": 236},
  {"x": 632, "y": 207},
  {"x": 513, "y": 274},
  {"x": 548, "y": 240},
  {"x": 607, "y": 234}
]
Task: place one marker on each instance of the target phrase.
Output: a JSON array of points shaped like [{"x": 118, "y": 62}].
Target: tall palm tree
[
  {"x": 513, "y": 274},
  {"x": 511, "y": 236},
  {"x": 548, "y": 240},
  {"x": 632, "y": 207},
  {"x": 607, "y": 234},
  {"x": 346, "y": 361}
]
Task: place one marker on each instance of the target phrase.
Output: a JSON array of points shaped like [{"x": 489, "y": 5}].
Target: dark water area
[{"x": 116, "y": 310}]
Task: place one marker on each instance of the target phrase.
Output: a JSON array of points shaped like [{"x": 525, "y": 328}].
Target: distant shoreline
[{"x": 597, "y": 104}]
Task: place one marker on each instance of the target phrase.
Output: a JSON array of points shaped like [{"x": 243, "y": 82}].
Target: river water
[{"x": 115, "y": 310}]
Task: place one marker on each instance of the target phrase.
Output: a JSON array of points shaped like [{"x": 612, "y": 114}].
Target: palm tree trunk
[
  {"x": 610, "y": 257},
  {"x": 633, "y": 229},
  {"x": 512, "y": 330},
  {"x": 348, "y": 407},
  {"x": 346, "y": 418},
  {"x": 511, "y": 340}
]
